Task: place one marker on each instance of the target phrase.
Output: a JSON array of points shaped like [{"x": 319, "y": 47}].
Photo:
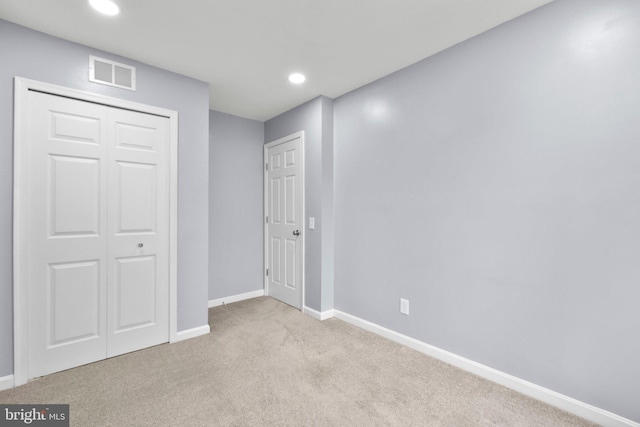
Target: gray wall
[
  {"x": 497, "y": 187},
  {"x": 314, "y": 119},
  {"x": 235, "y": 205},
  {"x": 37, "y": 56},
  {"x": 328, "y": 215}
]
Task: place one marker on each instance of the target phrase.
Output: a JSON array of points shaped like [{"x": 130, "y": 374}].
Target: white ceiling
[{"x": 246, "y": 49}]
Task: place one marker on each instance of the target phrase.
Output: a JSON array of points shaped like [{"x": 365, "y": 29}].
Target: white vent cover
[{"x": 112, "y": 73}]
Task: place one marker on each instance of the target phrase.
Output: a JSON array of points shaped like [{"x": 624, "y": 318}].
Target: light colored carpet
[{"x": 266, "y": 364}]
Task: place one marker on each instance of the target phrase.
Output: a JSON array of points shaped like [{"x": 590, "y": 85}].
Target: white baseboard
[
  {"x": 192, "y": 333},
  {"x": 6, "y": 382},
  {"x": 235, "y": 298},
  {"x": 316, "y": 314},
  {"x": 566, "y": 403}
]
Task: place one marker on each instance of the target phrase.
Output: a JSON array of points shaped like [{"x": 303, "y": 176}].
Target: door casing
[
  {"x": 20, "y": 249},
  {"x": 287, "y": 138}
]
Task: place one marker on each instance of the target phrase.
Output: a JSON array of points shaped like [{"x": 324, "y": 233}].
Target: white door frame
[
  {"x": 20, "y": 197},
  {"x": 287, "y": 138}
]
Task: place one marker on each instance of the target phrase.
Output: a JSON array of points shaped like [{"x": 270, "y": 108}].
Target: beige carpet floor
[{"x": 266, "y": 364}]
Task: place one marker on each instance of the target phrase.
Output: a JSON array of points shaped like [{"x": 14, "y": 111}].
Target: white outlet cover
[
  {"x": 312, "y": 223},
  {"x": 404, "y": 306}
]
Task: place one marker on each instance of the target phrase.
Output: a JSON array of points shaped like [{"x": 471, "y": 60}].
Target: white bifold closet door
[{"x": 98, "y": 244}]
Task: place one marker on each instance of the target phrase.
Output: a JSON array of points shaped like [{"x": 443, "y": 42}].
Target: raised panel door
[
  {"x": 98, "y": 224},
  {"x": 285, "y": 222},
  {"x": 67, "y": 147},
  {"x": 138, "y": 259}
]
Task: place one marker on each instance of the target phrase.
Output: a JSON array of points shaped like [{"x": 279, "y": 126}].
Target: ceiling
[{"x": 245, "y": 49}]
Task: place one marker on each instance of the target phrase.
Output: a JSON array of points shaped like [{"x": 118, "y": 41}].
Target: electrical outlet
[
  {"x": 312, "y": 223},
  {"x": 404, "y": 306}
]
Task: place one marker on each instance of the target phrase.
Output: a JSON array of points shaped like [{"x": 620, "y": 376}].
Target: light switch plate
[{"x": 312, "y": 223}]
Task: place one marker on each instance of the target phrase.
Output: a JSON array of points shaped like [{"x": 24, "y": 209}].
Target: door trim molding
[
  {"x": 265, "y": 212},
  {"x": 22, "y": 87}
]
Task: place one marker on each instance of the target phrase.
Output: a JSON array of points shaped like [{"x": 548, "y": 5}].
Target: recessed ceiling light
[
  {"x": 105, "y": 6},
  {"x": 297, "y": 78}
]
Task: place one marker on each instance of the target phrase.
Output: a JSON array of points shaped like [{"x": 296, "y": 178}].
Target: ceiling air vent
[{"x": 111, "y": 73}]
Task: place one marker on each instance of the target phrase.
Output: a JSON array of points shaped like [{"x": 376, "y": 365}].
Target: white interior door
[
  {"x": 97, "y": 232},
  {"x": 285, "y": 220},
  {"x": 138, "y": 257},
  {"x": 67, "y": 229}
]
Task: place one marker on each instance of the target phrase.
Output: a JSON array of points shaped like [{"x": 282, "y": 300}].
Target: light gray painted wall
[
  {"x": 497, "y": 187},
  {"x": 37, "y": 56},
  {"x": 235, "y": 205},
  {"x": 328, "y": 219},
  {"x": 307, "y": 117}
]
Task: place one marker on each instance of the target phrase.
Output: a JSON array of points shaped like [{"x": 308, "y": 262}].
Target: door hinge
[
  {"x": 267, "y": 219},
  {"x": 267, "y": 271},
  {"x": 266, "y": 166}
]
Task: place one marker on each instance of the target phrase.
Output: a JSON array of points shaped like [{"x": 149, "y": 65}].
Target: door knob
[
  {"x": 140, "y": 245},
  {"x": 296, "y": 233}
]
